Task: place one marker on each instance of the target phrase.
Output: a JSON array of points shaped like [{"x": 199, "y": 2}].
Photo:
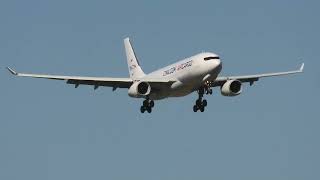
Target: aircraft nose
[
  {"x": 217, "y": 65},
  {"x": 218, "y": 62}
]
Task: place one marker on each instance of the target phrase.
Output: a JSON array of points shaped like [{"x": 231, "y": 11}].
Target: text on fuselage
[{"x": 177, "y": 68}]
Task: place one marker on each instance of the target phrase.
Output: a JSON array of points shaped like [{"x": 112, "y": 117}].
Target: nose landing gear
[
  {"x": 207, "y": 87},
  {"x": 147, "y": 105}
]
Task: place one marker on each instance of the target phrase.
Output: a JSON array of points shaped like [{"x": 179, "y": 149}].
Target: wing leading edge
[{"x": 252, "y": 78}]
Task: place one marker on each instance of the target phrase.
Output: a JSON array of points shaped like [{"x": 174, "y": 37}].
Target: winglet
[
  {"x": 12, "y": 71},
  {"x": 301, "y": 68}
]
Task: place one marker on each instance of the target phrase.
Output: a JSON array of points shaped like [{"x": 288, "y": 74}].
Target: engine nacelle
[
  {"x": 231, "y": 88},
  {"x": 139, "y": 89}
]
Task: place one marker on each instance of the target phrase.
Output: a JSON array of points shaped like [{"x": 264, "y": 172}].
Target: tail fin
[{"x": 135, "y": 70}]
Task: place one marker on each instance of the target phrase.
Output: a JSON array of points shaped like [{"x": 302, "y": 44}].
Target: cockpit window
[{"x": 211, "y": 57}]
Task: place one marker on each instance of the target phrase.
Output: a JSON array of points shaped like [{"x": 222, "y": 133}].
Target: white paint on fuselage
[{"x": 189, "y": 74}]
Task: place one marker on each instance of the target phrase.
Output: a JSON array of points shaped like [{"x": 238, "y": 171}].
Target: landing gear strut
[
  {"x": 147, "y": 105},
  {"x": 207, "y": 87},
  {"x": 202, "y": 103}
]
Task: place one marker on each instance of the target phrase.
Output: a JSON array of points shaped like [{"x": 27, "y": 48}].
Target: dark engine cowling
[
  {"x": 231, "y": 88},
  {"x": 139, "y": 89}
]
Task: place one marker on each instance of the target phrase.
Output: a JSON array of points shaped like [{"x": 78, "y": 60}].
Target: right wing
[
  {"x": 94, "y": 81},
  {"x": 252, "y": 78}
]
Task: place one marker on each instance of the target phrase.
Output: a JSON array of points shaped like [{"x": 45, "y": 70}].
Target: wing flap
[{"x": 115, "y": 84}]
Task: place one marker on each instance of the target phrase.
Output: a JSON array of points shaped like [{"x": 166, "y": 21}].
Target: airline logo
[{"x": 132, "y": 67}]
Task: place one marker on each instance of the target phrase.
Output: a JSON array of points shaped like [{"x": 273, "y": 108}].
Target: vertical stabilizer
[{"x": 135, "y": 70}]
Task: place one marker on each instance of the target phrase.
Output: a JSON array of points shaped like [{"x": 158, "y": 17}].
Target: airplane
[{"x": 198, "y": 73}]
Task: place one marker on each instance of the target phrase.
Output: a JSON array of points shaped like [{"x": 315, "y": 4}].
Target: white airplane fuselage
[{"x": 189, "y": 73}]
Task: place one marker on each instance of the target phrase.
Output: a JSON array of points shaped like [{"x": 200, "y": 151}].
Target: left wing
[
  {"x": 252, "y": 78},
  {"x": 77, "y": 80},
  {"x": 95, "y": 81}
]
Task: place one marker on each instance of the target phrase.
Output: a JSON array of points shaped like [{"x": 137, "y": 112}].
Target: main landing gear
[
  {"x": 202, "y": 103},
  {"x": 147, "y": 105}
]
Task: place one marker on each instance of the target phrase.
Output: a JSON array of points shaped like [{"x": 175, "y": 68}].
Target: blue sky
[{"x": 49, "y": 130}]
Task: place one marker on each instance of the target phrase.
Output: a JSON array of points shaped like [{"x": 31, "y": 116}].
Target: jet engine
[
  {"x": 231, "y": 88},
  {"x": 139, "y": 89}
]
